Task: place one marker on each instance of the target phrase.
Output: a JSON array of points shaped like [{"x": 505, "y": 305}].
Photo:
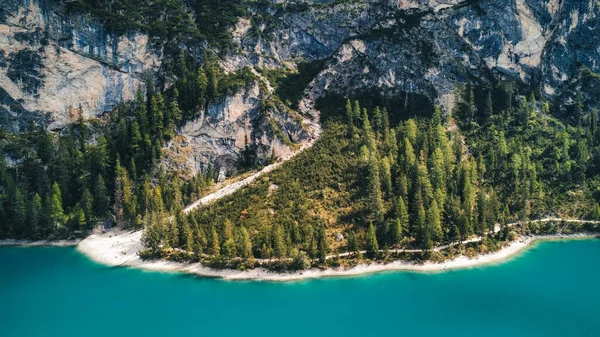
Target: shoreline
[
  {"x": 120, "y": 249},
  {"x": 40, "y": 243}
]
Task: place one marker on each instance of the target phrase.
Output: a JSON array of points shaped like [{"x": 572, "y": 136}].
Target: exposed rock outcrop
[
  {"x": 49, "y": 62},
  {"x": 429, "y": 47},
  {"x": 225, "y": 129}
]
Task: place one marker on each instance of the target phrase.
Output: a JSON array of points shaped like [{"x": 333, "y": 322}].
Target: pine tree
[
  {"x": 386, "y": 176},
  {"x": 422, "y": 183},
  {"x": 215, "y": 247},
  {"x": 470, "y": 103},
  {"x": 213, "y": 83},
  {"x": 202, "y": 82},
  {"x": 189, "y": 238},
  {"x": 118, "y": 204},
  {"x": 402, "y": 215},
  {"x": 532, "y": 105},
  {"x": 87, "y": 204},
  {"x": 323, "y": 246},
  {"x": 505, "y": 216},
  {"x": 279, "y": 248},
  {"x": 378, "y": 121},
  {"x": 228, "y": 249},
  {"x": 244, "y": 244},
  {"x": 396, "y": 231},
  {"x": 350, "y": 117},
  {"x": 132, "y": 169},
  {"x": 136, "y": 140},
  {"x": 174, "y": 113},
  {"x": 353, "y": 246},
  {"x": 438, "y": 173},
  {"x": 434, "y": 222},
  {"x": 386, "y": 128},
  {"x": 357, "y": 113},
  {"x": 156, "y": 118},
  {"x": 20, "y": 212},
  {"x": 376, "y": 207},
  {"x": 100, "y": 157},
  {"x": 77, "y": 218},
  {"x": 368, "y": 135},
  {"x": 372, "y": 245},
  {"x": 579, "y": 108},
  {"x": 34, "y": 214},
  {"x": 410, "y": 159},
  {"x": 593, "y": 125},
  {"x": 57, "y": 214},
  {"x": 424, "y": 232},
  {"x": 140, "y": 113}
]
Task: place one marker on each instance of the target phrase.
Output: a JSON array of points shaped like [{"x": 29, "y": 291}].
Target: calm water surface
[{"x": 552, "y": 290}]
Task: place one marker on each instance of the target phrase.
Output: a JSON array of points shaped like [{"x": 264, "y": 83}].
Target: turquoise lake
[{"x": 551, "y": 290}]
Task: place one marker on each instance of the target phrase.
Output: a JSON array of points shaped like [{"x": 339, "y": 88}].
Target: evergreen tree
[
  {"x": 202, "y": 81},
  {"x": 140, "y": 113},
  {"x": 118, "y": 204},
  {"x": 532, "y": 105},
  {"x": 279, "y": 248},
  {"x": 372, "y": 245},
  {"x": 376, "y": 206},
  {"x": 57, "y": 214},
  {"x": 353, "y": 246},
  {"x": 579, "y": 108},
  {"x": 469, "y": 103},
  {"x": 213, "y": 82},
  {"x": 101, "y": 197},
  {"x": 357, "y": 112},
  {"x": 434, "y": 222},
  {"x": 395, "y": 231},
  {"x": 378, "y": 121},
  {"x": 20, "y": 212},
  {"x": 244, "y": 244},
  {"x": 156, "y": 118},
  {"x": 424, "y": 231},
  {"x": 350, "y": 117},
  {"x": 215, "y": 247},
  {"x": 402, "y": 215},
  {"x": 34, "y": 214},
  {"x": 323, "y": 246}
]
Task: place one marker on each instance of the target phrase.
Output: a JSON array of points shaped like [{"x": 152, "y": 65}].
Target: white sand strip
[{"x": 120, "y": 249}]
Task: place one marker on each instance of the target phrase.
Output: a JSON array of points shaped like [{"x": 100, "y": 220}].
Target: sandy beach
[{"x": 120, "y": 249}]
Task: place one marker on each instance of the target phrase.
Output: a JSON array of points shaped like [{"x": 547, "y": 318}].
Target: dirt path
[
  {"x": 310, "y": 123},
  {"x": 497, "y": 229}
]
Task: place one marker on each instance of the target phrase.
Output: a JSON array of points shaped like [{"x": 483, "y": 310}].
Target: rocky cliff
[
  {"x": 430, "y": 47},
  {"x": 51, "y": 61}
]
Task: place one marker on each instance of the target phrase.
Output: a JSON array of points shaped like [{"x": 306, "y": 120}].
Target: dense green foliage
[
  {"x": 416, "y": 184},
  {"x": 64, "y": 184}
]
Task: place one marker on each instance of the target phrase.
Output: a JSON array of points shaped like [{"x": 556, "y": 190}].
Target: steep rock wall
[{"x": 49, "y": 63}]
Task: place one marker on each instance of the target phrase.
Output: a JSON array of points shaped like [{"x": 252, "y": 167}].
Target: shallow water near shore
[{"x": 550, "y": 290}]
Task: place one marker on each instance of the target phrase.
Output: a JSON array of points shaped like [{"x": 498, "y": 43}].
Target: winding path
[
  {"x": 310, "y": 123},
  {"x": 497, "y": 229}
]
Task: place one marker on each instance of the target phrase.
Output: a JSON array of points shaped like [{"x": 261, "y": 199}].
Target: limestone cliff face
[
  {"x": 430, "y": 46},
  {"x": 247, "y": 118},
  {"x": 49, "y": 63}
]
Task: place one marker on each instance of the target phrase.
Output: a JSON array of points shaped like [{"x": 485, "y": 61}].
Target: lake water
[{"x": 551, "y": 290}]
